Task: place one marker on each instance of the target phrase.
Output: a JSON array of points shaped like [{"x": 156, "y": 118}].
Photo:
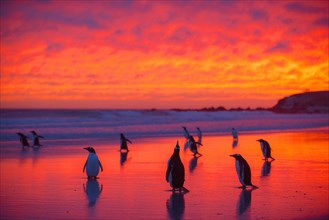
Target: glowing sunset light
[{"x": 163, "y": 54}]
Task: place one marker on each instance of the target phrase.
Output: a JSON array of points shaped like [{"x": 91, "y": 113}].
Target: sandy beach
[{"x": 48, "y": 183}]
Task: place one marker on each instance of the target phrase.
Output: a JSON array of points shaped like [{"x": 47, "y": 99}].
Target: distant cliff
[{"x": 308, "y": 102}]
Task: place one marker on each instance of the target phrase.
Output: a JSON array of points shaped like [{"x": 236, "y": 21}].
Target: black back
[{"x": 176, "y": 168}]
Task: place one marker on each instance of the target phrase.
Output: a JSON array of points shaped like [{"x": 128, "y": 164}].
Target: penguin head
[
  {"x": 177, "y": 148},
  {"x": 33, "y": 132},
  {"x": 236, "y": 156},
  {"x": 90, "y": 149},
  {"x": 260, "y": 140},
  {"x": 20, "y": 134}
]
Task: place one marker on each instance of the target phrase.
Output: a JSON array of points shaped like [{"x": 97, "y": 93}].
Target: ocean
[{"x": 61, "y": 126}]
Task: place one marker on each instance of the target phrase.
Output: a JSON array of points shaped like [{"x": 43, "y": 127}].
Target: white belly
[
  {"x": 240, "y": 172},
  {"x": 262, "y": 146},
  {"x": 92, "y": 167}
]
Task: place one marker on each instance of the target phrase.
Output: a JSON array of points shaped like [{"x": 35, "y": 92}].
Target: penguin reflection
[
  {"x": 266, "y": 169},
  {"x": 244, "y": 200},
  {"x": 92, "y": 190},
  {"x": 176, "y": 205},
  {"x": 123, "y": 157},
  {"x": 193, "y": 163},
  {"x": 234, "y": 143}
]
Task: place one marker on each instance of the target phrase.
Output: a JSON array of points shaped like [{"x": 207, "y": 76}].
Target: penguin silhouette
[
  {"x": 186, "y": 133},
  {"x": 243, "y": 171},
  {"x": 36, "y": 137},
  {"x": 123, "y": 144},
  {"x": 193, "y": 146},
  {"x": 199, "y": 133},
  {"x": 266, "y": 149},
  {"x": 23, "y": 139},
  {"x": 92, "y": 164},
  {"x": 175, "y": 173}
]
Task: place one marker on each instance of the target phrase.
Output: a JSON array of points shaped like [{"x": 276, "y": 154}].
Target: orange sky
[{"x": 163, "y": 54}]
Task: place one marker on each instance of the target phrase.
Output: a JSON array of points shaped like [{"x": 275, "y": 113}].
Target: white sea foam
[{"x": 102, "y": 124}]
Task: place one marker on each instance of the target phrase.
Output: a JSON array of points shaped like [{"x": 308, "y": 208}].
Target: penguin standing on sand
[
  {"x": 175, "y": 173},
  {"x": 92, "y": 164},
  {"x": 193, "y": 146},
  {"x": 186, "y": 133},
  {"x": 23, "y": 139},
  {"x": 266, "y": 149},
  {"x": 124, "y": 140},
  {"x": 243, "y": 171},
  {"x": 36, "y": 137},
  {"x": 199, "y": 133}
]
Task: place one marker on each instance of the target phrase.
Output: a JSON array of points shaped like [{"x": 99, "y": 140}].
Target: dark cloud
[
  {"x": 54, "y": 47},
  {"x": 181, "y": 34},
  {"x": 300, "y": 8},
  {"x": 281, "y": 46},
  {"x": 322, "y": 22},
  {"x": 259, "y": 15}
]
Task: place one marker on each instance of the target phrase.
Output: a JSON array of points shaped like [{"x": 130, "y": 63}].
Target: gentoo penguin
[
  {"x": 92, "y": 164},
  {"x": 234, "y": 134},
  {"x": 199, "y": 133},
  {"x": 186, "y": 133},
  {"x": 193, "y": 146},
  {"x": 266, "y": 149},
  {"x": 175, "y": 173},
  {"x": 36, "y": 137},
  {"x": 243, "y": 171},
  {"x": 123, "y": 140},
  {"x": 23, "y": 140}
]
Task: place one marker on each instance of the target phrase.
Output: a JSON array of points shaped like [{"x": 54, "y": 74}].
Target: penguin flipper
[
  {"x": 168, "y": 170},
  {"x": 84, "y": 167},
  {"x": 100, "y": 165}
]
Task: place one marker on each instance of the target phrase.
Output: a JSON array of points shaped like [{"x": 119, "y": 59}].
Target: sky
[{"x": 161, "y": 54}]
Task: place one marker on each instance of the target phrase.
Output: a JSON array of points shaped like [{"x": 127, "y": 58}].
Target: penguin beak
[
  {"x": 86, "y": 148},
  {"x": 232, "y": 155}
]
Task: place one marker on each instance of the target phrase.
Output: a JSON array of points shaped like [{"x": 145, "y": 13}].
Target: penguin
[
  {"x": 186, "y": 133},
  {"x": 266, "y": 149},
  {"x": 193, "y": 146},
  {"x": 23, "y": 140},
  {"x": 124, "y": 140},
  {"x": 243, "y": 171},
  {"x": 175, "y": 173},
  {"x": 199, "y": 133},
  {"x": 234, "y": 134},
  {"x": 36, "y": 137},
  {"x": 92, "y": 164}
]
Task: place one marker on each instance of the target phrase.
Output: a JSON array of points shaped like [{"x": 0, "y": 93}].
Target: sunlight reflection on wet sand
[{"x": 48, "y": 183}]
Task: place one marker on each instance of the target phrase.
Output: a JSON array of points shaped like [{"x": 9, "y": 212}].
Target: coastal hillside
[{"x": 308, "y": 102}]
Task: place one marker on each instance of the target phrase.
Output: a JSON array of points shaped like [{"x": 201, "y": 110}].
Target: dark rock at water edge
[{"x": 308, "y": 102}]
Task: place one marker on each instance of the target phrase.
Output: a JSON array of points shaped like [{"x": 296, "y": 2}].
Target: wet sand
[{"x": 48, "y": 183}]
